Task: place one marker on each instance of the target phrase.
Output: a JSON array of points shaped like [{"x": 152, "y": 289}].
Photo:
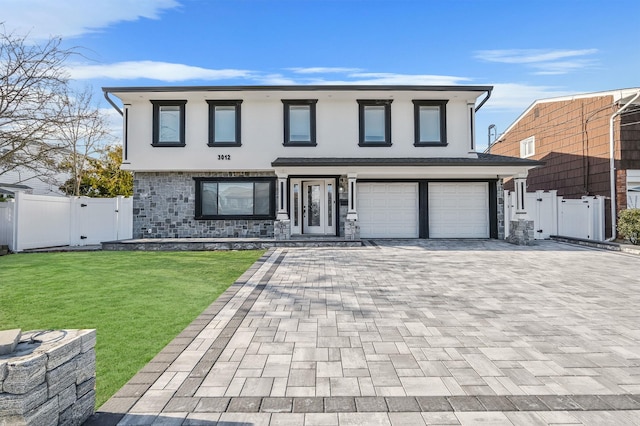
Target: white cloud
[
  {"x": 371, "y": 78},
  {"x": 561, "y": 67},
  {"x": 517, "y": 97},
  {"x": 527, "y": 56},
  {"x": 162, "y": 71},
  {"x": 407, "y": 79},
  {"x": 171, "y": 72},
  {"x": 274, "y": 80},
  {"x": 323, "y": 70},
  {"x": 42, "y": 19},
  {"x": 546, "y": 61}
]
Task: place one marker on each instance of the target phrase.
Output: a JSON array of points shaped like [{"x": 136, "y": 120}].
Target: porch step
[{"x": 212, "y": 244}]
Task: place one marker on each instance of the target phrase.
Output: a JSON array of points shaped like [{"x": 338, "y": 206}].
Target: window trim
[
  {"x": 287, "y": 103},
  {"x": 362, "y": 104},
  {"x": 156, "y": 123},
  {"x": 524, "y": 143},
  {"x": 272, "y": 198},
  {"x": 213, "y": 103},
  {"x": 442, "y": 104}
]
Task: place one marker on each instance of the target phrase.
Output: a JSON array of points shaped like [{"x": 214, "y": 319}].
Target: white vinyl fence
[
  {"x": 554, "y": 215},
  {"x": 38, "y": 221}
]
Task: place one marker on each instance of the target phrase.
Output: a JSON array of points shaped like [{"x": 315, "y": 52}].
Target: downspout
[
  {"x": 484, "y": 100},
  {"x": 113, "y": 104},
  {"x": 612, "y": 167}
]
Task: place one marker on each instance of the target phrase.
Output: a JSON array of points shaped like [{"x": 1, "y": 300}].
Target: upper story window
[
  {"x": 528, "y": 147},
  {"x": 430, "y": 123},
  {"x": 375, "y": 122},
  {"x": 168, "y": 123},
  {"x": 300, "y": 122},
  {"x": 235, "y": 198},
  {"x": 224, "y": 123}
]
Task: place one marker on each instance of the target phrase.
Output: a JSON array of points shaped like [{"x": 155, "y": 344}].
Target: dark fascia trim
[
  {"x": 406, "y": 162},
  {"x": 442, "y": 104},
  {"x": 272, "y": 197},
  {"x": 362, "y": 104},
  {"x": 156, "y": 123},
  {"x": 319, "y": 88},
  {"x": 286, "y": 103},
  {"x": 212, "y": 122}
]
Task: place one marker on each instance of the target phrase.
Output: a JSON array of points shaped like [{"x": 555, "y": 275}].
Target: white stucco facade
[{"x": 332, "y": 166}]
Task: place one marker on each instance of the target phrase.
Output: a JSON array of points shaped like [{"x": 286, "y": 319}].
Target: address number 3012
[{"x": 224, "y": 157}]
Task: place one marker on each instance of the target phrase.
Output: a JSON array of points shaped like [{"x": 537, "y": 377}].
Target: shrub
[{"x": 629, "y": 225}]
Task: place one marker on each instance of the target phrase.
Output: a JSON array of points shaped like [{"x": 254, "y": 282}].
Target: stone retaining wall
[{"x": 49, "y": 380}]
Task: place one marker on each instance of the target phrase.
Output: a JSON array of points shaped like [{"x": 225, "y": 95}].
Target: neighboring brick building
[{"x": 571, "y": 136}]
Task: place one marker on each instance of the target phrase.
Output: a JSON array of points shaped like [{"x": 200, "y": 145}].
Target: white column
[
  {"x": 521, "y": 190},
  {"x": 352, "y": 213},
  {"x": 283, "y": 213}
]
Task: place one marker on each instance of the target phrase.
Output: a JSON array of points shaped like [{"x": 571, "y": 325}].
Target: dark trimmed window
[
  {"x": 300, "y": 122},
  {"x": 235, "y": 198},
  {"x": 430, "y": 123},
  {"x": 168, "y": 123},
  {"x": 224, "y": 123},
  {"x": 375, "y": 122}
]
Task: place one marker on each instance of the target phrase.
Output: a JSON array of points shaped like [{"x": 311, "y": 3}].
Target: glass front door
[{"x": 313, "y": 206}]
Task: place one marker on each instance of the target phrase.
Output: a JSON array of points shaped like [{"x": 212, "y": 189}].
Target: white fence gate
[
  {"x": 554, "y": 215},
  {"x": 37, "y": 221}
]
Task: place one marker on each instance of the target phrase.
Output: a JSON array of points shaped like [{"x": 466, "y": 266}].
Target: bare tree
[
  {"x": 32, "y": 79},
  {"x": 82, "y": 134}
]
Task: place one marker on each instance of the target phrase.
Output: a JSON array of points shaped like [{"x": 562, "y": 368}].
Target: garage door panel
[
  {"x": 459, "y": 210},
  {"x": 388, "y": 210}
]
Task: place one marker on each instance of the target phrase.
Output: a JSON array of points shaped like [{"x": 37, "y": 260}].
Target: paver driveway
[{"x": 406, "y": 332}]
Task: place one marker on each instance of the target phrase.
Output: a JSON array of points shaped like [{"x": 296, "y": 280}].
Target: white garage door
[
  {"x": 459, "y": 210},
  {"x": 388, "y": 210}
]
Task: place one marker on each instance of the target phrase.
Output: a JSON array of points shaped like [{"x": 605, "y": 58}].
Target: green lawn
[{"x": 137, "y": 301}]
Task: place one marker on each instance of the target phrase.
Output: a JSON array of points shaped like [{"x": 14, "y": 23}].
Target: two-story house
[
  {"x": 589, "y": 144},
  {"x": 397, "y": 161}
]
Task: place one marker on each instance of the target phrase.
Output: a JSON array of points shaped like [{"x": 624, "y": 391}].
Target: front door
[{"x": 313, "y": 206}]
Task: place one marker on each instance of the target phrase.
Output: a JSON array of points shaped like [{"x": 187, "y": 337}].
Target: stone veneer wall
[
  {"x": 500, "y": 212},
  {"x": 521, "y": 232},
  {"x": 49, "y": 383},
  {"x": 343, "y": 197},
  {"x": 164, "y": 207}
]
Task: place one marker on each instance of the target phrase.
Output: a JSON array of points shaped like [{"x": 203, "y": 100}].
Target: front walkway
[{"x": 406, "y": 332}]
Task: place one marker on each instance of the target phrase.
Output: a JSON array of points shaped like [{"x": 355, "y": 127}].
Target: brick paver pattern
[{"x": 402, "y": 329}]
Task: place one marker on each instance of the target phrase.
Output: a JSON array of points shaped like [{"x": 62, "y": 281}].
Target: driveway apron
[{"x": 405, "y": 332}]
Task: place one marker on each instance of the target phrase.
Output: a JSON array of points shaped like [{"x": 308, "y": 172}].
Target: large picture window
[
  {"x": 430, "y": 123},
  {"x": 168, "y": 123},
  {"x": 224, "y": 123},
  {"x": 375, "y": 122},
  {"x": 300, "y": 122},
  {"x": 235, "y": 198}
]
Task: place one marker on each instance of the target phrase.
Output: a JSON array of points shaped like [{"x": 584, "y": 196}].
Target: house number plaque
[{"x": 224, "y": 157}]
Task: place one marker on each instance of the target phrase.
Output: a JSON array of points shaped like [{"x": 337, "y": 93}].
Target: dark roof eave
[
  {"x": 484, "y": 161},
  {"x": 342, "y": 87}
]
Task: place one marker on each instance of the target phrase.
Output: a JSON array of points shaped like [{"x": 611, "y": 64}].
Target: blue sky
[{"x": 528, "y": 50}]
